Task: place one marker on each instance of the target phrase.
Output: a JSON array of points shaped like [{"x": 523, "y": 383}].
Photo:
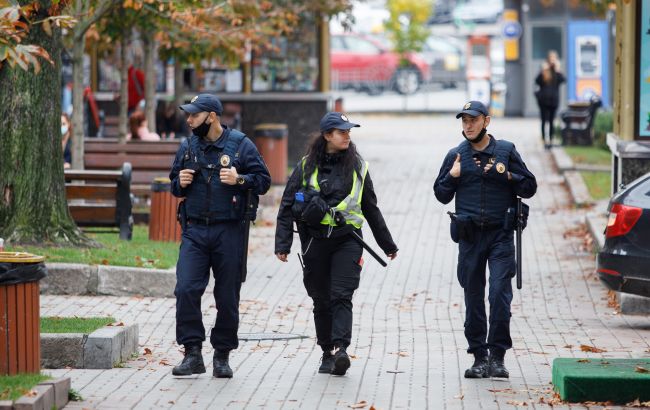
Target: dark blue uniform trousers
[
  {"x": 496, "y": 249},
  {"x": 332, "y": 273},
  {"x": 219, "y": 247}
]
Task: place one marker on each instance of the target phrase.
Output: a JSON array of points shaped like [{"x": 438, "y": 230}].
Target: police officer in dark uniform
[
  {"x": 213, "y": 170},
  {"x": 486, "y": 175},
  {"x": 329, "y": 195}
]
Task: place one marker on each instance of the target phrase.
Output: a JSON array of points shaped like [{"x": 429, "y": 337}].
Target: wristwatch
[{"x": 241, "y": 180}]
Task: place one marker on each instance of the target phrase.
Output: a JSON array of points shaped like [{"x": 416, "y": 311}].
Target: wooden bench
[
  {"x": 101, "y": 198},
  {"x": 149, "y": 159}
]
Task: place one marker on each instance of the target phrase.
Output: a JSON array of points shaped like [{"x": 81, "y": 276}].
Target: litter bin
[
  {"x": 271, "y": 141},
  {"x": 163, "y": 225},
  {"x": 20, "y": 338}
]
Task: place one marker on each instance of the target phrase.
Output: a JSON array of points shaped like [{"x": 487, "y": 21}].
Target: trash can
[
  {"x": 272, "y": 143},
  {"x": 163, "y": 225},
  {"x": 20, "y": 338}
]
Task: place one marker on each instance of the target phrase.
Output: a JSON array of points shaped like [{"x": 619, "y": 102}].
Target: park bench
[
  {"x": 149, "y": 160},
  {"x": 101, "y": 198},
  {"x": 578, "y": 122}
]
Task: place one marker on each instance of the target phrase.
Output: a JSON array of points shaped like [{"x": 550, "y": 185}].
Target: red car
[{"x": 365, "y": 64}]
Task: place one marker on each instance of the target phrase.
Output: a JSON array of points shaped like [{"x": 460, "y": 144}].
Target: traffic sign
[{"x": 511, "y": 30}]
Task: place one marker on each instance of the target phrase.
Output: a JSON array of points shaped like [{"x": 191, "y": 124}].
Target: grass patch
[
  {"x": 12, "y": 387},
  {"x": 589, "y": 155},
  {"x": 138, "y": 252},
  {"x": 83, "y": 325},
  {"x": 598, "y": 183}
]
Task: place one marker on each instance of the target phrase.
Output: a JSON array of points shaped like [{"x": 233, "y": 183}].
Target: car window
[
  {"x": 359, "y": 45},
  {"x": 337, "y": 43}
]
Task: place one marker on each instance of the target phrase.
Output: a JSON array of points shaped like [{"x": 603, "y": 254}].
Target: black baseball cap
[
  {"x": 473, "y": 108},
  {"x": 203, "y": 103},
  {"x": 336, "y": 120}
]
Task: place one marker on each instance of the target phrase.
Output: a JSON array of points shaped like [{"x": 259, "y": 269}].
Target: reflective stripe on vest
[{"x": 350, "y": 206}]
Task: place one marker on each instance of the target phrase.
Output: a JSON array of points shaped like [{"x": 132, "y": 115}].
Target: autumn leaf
[
  {"x": 584, "y": 361},
  {"x": 359, "y": 405},
  {"x": 592, "y": 349},
  {"x": 147, "y": 351},
  {"x": 640, "y": 369}
]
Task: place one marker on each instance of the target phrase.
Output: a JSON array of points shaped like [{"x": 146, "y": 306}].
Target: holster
[
  {"x": 181, "y": 215},
  {"x": 461, "y": 228},
  {"x": 510, "y": 222}
]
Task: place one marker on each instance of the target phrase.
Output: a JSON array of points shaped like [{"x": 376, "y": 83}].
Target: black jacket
[
  {"x": 548, "y": 94},
  {"x": 337, "y": 187}
]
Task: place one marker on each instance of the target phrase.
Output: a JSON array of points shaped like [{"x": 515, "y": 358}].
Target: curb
[
  {"x": 101, "y": 349},
  {"x": 80, "y": 279},
  {"x": 50, "y": 394},
  {"x": 577, "y": 188}
]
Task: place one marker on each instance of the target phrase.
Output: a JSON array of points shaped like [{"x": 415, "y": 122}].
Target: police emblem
[
  {"x": 501, "y": 168},
  {"x": 194, "y": 98},
  {"x": 344, "y": 117},
  {"x": 467, "y": 106},
  {"x": 224, "y": 160}
]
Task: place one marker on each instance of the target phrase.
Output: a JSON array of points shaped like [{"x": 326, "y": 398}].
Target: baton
[
  {"x": 369, "y": 249},
  {"x": 520, "y": 222},
  {"x": 247, "y": 225}
]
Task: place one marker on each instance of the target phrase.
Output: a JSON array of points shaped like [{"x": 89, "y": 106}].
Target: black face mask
[
  {"x": 202, "y": 130},
  {"x": 478, "y": 138}
]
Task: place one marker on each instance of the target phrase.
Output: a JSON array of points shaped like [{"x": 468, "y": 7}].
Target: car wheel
[{"x": 407, "y": 80}]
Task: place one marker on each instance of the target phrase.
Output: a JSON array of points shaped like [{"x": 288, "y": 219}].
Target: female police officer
[
  {"x": 486, "y": 175},
  {"x": 214, "y": 170},
  {"x": 328, "y": 195}
]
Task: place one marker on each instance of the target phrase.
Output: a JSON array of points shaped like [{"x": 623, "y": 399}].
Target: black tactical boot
[
  {"x": 220, "y": 366},
  {"x": 192, "y": 362},
  {"x": 327, "y": 362},
  {"x": 479, "y": 369},
  {"x": 341, "y": 362},
  {"x": 497, "y": 367}
]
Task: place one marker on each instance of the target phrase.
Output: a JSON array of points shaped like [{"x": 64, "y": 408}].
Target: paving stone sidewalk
[{"x": 408, "y": 346}]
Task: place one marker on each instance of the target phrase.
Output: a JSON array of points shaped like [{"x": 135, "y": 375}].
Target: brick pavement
[{"x": 408, "y": 343}]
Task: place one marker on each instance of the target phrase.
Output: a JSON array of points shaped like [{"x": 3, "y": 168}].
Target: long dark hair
[{"x": 316, "y": 152}]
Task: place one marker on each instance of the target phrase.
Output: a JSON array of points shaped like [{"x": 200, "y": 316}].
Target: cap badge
[
  {"x": 344, "y": 117},
  {"x": 467, "y": 106},
  {"x": 194, "y": 98},
  {"x": 224, "y": 160},
  {"x": 501, "y": 168}
]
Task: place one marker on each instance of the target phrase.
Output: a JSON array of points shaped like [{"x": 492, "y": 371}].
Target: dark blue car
[{"x": 624, "y": 261}]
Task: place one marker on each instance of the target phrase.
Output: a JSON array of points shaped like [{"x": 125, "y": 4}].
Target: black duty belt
[
  {"x": 487, "y": 226},
  {"x": 206, "y": 221}
]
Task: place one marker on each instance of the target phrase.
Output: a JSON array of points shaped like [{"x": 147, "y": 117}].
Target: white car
[{"x": 478, "y": 11}]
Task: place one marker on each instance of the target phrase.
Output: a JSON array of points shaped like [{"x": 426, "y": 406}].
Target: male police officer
[
  {"x": 486, "y": 175},
  {"x": 213, "y": 170}
]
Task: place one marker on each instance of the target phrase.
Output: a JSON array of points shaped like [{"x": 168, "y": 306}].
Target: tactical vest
[
  {"x": 484, "y": 198},
  {"x": 350, "y": 206},
  {"x": 207, "y": 197}
]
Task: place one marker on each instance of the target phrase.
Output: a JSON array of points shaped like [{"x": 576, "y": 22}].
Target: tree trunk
[
  {"x": 149, "y": 78},
  {"x": 78, "y": 101},
  {"x": 33, "y": 207},
  {"x": 122, "y": 124}
]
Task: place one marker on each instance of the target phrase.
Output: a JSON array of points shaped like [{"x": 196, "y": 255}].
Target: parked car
[
  {"x": 365, "y": 64},
  {"x": 445, "y": 59},
  {"x": 478, "y": 11},
  {"x": 624, "y": 261}
]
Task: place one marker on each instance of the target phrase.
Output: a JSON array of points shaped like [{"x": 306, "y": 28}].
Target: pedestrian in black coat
[{"x": 548, "y": 82}]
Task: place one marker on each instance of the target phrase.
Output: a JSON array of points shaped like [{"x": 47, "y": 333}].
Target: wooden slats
[
  {"x": 98, "y": 192},
  {"x": 95, "y": 175},
  {"x": 19, "y": 329},
  {"x": 139, "y": 161},
  {"x": 93, "y": 213}
]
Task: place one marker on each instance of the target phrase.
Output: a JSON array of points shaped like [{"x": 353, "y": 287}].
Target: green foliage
[
  {"x": 603, "y": 124},
  {"x": 74, "y": 395},
  {"x": 12, "y": 387},
  {"x": 139, "y": 252},
  {"x": 589, "y": 155},
  {"x": 85, "y": 325},
  {"x": 598, "y": 183},
  {"x": 407, "y": 24}
]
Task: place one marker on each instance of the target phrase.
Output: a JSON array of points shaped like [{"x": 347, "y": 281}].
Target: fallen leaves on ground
[
  {"x": 592, "y": 349},
  {"x": 640, "y": 369},
  {"x": 359, "y": 405},
  {"x": 147, "y": 351},
  {"x": 612, "y": 301},
  {"x": 584, "y": 361},
  {"x": 460, "y": 397},
  {"x": 517, "y": 403},
  {"x": 638, "y": 403},
  {"x": 508, "y": 391}
]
